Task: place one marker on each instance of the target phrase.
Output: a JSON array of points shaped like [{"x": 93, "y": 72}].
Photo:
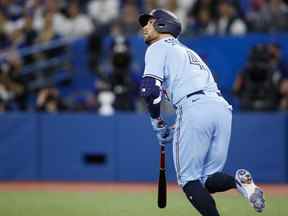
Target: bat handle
[
  {"x": 162, "y": 157},
  {"x": 162, "y": 185}
]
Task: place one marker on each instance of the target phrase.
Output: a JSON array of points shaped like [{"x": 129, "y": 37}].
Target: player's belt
[
  {"x": 195, "y": 93},
  {"x": 201, "y": 92}
]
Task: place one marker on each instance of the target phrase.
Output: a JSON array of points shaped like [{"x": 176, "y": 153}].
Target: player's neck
[{"x": 161, "y": 36}]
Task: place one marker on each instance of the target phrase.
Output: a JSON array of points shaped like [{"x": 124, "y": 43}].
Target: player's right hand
[
  {"x": 167, "y": 136},
  {"x": 163, "y": 132}
]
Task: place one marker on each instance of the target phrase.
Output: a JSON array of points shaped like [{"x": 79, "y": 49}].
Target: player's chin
[{"x": 147, "y": 40}]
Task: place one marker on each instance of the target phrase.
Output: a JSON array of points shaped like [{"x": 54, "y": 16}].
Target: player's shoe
[{"x": 249, "y": 190}]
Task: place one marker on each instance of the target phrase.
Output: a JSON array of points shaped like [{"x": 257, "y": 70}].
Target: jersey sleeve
[{"x": 155, "y": 59}]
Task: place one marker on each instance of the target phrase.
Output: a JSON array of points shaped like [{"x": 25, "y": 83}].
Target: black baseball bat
[{"x": 162, "y": 184}]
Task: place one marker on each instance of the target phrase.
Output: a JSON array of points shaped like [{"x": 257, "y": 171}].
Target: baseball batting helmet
[{"x": 165, "y": 21}]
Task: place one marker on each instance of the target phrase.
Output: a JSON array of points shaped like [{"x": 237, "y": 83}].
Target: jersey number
[{"x": 194, "y": 60}]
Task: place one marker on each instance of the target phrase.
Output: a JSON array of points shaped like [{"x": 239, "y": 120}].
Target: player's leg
[
  {"x": 190, "y": 148},
  {"x": 217, "y": 181},
  {"x": 244, "y": 183},
  {"x": 200, "y": 198},
  {"x": 213, "y": 177},
  {"x": 220, "y": 182},
  {"x": 249, "y": 190}
]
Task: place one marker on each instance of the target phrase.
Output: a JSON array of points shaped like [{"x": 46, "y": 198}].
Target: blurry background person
[
  {"x": 119, "y": 76},
  {"x": 103, "y": 13},
  {"x": 53, "y": 8},
  {"x": 257, "y": 86},
  {"x": 49, "y": 100},
  {"x": 14, "y": 88},
  {"x": 228, "y": 21},
  {"x": 200, "y": 24},
  {"x": 281, "y": 67},
  {"x": 77, "y": 23},
  {"x": 122, "y": 81},
  {"x": 128, "y": 19},
  {"x": 269, "y": 16}
]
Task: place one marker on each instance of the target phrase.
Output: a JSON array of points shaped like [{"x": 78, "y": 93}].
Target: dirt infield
[{"x": 273, "y": 189}]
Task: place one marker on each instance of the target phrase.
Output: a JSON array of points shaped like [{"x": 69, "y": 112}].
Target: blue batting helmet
[{"x": 165, "y": 21}]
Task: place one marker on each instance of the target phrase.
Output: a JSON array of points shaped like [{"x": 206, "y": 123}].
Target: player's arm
[
  {"x": 155, "y": 61},
  {"x": 151, "y": 92}
]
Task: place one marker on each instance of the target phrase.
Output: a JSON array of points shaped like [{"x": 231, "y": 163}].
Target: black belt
[
  {"x": 195, "y": 93},
  {"x": 201, "y": 92}
]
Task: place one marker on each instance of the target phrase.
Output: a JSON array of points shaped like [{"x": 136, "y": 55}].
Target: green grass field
[{"x": 124, "y": 204}]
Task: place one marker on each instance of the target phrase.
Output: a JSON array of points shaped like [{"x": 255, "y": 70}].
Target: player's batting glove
[
  {"x": 163, "y": 132},
  {"x": 167, "y": 137}
]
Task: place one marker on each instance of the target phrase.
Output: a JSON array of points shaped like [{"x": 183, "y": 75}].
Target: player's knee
[
  {"x": 219, "y": 182},
  {"x": 195, "y": 191},
  {"x": 200, "y": 198}
]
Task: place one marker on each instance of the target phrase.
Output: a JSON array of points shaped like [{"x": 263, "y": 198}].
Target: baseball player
[{"x": 203, "y": 124}]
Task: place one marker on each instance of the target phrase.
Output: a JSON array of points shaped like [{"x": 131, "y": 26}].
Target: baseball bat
[{"x": 162, "y": 184}]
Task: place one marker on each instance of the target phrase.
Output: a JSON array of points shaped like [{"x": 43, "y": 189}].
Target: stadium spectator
[
  {"x": 3, "y": 107},
  {"x": 18, "y": 88},
  {"x": 4, "y": 96},
  {"x": 77, "y": 24},
  {"x": 270, "y": 16},
  {"x": 229, "y": 22},
  {"x": 127, "y": 21},
  {"x": 257, "y": 86},
  {"x": 202, "y": 24},
  {"x": 103, "y": 13},
  {"x": 4, "y": 36},
  {"x": 48, "y": 60},
  {"x": 121, "y": 79},
  {"x": 207, "y": 5},
  {"x": 281, "y": 67},
  {"x": 30, "y": 38},
  {"x": 201, "y": 18},
  {"x": 45, "y": 36},
  {"x": 13, "y": 9},
  {"x": 95, "y": 51},
  {"x": 30, "y": 34},
  {"x": 14, "y": 88},
  {"x": 49, "y": 100},
  {"x": 49, "y": 7},
  {"x": 8, "y": 26}
]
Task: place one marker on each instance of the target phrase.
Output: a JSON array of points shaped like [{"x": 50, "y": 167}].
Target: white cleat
[{"x": 249, "y": 190}]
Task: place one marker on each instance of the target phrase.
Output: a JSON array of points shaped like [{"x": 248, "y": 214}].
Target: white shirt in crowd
[{"x": 103, "y": 11}]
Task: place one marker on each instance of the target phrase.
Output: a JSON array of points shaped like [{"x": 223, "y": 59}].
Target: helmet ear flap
[
  {"x": 159, "y": 26},
  {"x": 155, "y": 24}
]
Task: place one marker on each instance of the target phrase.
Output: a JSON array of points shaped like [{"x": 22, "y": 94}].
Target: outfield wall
[{"x": 86, "y": 147}]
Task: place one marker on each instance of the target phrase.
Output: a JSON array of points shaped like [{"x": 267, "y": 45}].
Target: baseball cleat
[{"x": 249, "y": 190}]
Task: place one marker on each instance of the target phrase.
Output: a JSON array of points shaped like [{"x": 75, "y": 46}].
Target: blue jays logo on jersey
[{"x": 171, "y": 41}]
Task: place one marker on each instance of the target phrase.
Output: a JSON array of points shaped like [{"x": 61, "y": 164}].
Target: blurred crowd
[
  {"x": 262, "y": 85},
  {"x": 28, "y": 68}
]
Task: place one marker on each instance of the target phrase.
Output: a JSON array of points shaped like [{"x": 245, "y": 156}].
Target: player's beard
[
  {"x": 148, "y": 42},
  {"x": 149, "y": 39}
]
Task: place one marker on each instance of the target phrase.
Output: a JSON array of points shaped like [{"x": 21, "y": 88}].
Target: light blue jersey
[
  {"x": 179, "y": 68},
  {"x": 203, "y": 122}
]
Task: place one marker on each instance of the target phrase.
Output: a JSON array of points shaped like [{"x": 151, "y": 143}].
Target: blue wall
[{"x": 54, "y": 147}]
